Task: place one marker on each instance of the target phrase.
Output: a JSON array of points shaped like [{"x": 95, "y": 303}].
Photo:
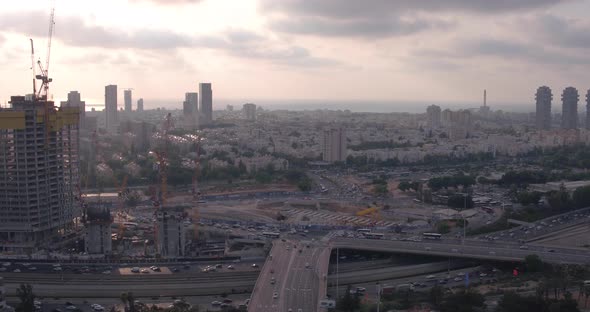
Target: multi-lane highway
[
  {"x": 293, "y": 277},
  {"x": 469, "y": 249}
]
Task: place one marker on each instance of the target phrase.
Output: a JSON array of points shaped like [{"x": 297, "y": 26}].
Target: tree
[
  {"x": 533, "y": 263},
  {"x": 460, "y": 201},
  {"x": 443, "y": 228},
  {"x": 132, "y": 199},
  {"x": 436, "y": 295},
  {"x": 581, "y": 196},
  {"x": 403, "y": 186},
  {"x": 27, "y": 298},
  {"x": 463, "y": 301},
  {"x": 348, "y": 303},
  {"x": 559, "y": 200},
  {"x": 527, "y": 198},
  {"x": 129, "y": 301},
  {"x": 380, "y": 189}
]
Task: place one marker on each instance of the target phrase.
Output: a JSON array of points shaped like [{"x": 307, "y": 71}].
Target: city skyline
[{"x": 453, "y": 51}]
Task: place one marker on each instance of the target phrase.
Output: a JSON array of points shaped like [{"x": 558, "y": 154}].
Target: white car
[
  {"x": 275, "y": 295},
  {"x": 215, "y": 303},
  {"x": 431, "y": 277},
  {"x": 71, "y": 308}
]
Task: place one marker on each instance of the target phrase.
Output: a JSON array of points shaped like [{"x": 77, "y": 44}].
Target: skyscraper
[
  {"x": 206, "y": 102},
  {"x": 588, "y": 109},
  {"x": 334, "y": 144},
  {"x": 140, "y": 105},
  {"x": 128, "y": 100},
  {"x": 433, "y": 115},
  {"x": 110, "y": 103},
  {"x": 191, "y": 104},
  {"x": 569, "y": 115},
  {"x": 543, "y": 98},
  {"x": 39, "y": 175},
  {"x": 249, "y": 111}
]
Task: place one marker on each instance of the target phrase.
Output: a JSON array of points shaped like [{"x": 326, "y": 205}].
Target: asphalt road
[
  {"x": 300, "y": 277},
  {"x": 474, "y": 250}
]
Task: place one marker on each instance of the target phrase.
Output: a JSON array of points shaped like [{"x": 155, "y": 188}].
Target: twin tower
[{"x": 569, "y": 115}]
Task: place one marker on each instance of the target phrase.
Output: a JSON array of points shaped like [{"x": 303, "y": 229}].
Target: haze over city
[{"x": 393, "y": 52}]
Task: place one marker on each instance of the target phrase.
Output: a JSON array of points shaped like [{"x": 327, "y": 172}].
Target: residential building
[
  {"x": 128, "y": 100},
  {"x": 460, "y": 125},
  {"x": 433, "y": 116},
  {"x": 334, "y": 145},
  {"x": 110, "y": 103},
  {"x": 588, "y": 109},
  {"x": 569, "y": 115},
  {"x": 249, "y": 111},
  {"x": 97, "y": 223},
  {"x": 171, "y": 239},
  {"x": 140, "y": 105},
  {"x": 74, "y": 101},
  {"x": 39, "y": 173},
  {"x": 206, "y": 103},
  {"x": 543, "y": 98}
]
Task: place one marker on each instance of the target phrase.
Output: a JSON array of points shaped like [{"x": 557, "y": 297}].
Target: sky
[{"x": 326, "y": 50}]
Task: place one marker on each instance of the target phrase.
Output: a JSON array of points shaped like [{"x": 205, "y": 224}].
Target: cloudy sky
[{"x": 374, "y": 50}]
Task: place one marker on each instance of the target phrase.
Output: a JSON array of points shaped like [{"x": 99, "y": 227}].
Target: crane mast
[{"x": 33, "y": 68}]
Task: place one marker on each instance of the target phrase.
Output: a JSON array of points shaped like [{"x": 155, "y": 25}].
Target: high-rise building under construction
[{"x": 39, "y": 178}]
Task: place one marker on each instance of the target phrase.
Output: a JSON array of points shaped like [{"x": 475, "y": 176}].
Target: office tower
[
  {"x": 140, "y": 105},
  {"x": 206, "y": 102},
  {"x": 433, "y": 115},
  {"x": 543, "y": 97},
  {"x": 249, "y": 111},
  {"x": 569, "y": 115},
  {"x": 588, "y": 109},
  {"x": 446, "y": 117},
  {"x": 39, "y": 178},
  {"x": 110, "y": 103},
  {"x": 229, "y": 108},
  {"x": 97, "y": 225},
  {"x": 171, "y": 239},
  {"x": 334, "y": 145},
  {"x": 191, "y": 104},
  {"x": 128, "y": 98},
  {"x": 74, "y": 101},
  {"x": 460, "y": 125}
]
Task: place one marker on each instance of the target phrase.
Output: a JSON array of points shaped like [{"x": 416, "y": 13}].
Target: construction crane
[
  {"x": 44, "y": 76},
  {"x": 121, "y": 198},
  {"x": 33, "y": 68}
]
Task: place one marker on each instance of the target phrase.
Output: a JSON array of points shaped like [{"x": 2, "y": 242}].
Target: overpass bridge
[{"x": 469, "y": 249}]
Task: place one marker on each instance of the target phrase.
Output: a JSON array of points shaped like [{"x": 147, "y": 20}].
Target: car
[
  {"x": 107, "y": 272},
  {"x": 31, "y": 268},
  {"x": 551, "y": 250},
  {"x": 227, "y": 300},
  {"x": 254, "y": 265},
  {"x": 71, "y": 308},
  {"x": 219, "y": 266},
  {"x": 175, "y": 269},
  {"x": 155, "y": 268},
  {"x": 524, "y": 247},
  {"x": 431, "y": 277},
  {"x": 231, "y": 267},
  {"x": 135, "y": 270},
  {"x": 57, "y": 269},
  {"x": 272, "y": 281},
  {"x": 275, "y": 295},
  {"x": 224, "y": 305},
  {"x": 69, "y": 303},
  {"x": 457, "y": 279},
  {"x": 16, "y": 271},
  {"x": 215, "y": 303},
  {"x": 145, "y": 271},
  {"x": 483, "y": 275},
  {"x": 307, "y": 266}
]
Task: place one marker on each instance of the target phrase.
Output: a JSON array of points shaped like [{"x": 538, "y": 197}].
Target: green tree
[
  {"x": 128, "y": 301},
  {"x": 436, "y": 296},
  {"x": 581, "y": 196},
  {"x": 27, "y": 298},
  {"x": 528, "y": 198},
  {"x": 560, "y": 200},
  {"x": 443, "y": 228},
  {"x": 533, "y": 263},
  {"x": 403, "y": 186},
  {"x": 380, "y": 189},
  {"x": 348, "y": 303},
  {"x": 463, "y": 301}
]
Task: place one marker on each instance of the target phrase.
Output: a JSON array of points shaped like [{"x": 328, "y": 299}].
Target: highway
[
  {"x": 300, "y": 278},
  {"x": 472, "y": 249}
]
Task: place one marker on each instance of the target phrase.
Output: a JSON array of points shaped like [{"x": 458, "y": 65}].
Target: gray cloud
[
  {"x": 169, "y": 2},
  {"x": 237, "y": 42},
  {"x": 507, "y": 50},
  {"x": 571, "y": 33},
  {"x": 379, "y": 18}
]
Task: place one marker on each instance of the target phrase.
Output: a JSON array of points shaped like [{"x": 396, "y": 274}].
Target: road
[
  {"x": 300, "y": 278},
  {"x": 472, "y": 249}
]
